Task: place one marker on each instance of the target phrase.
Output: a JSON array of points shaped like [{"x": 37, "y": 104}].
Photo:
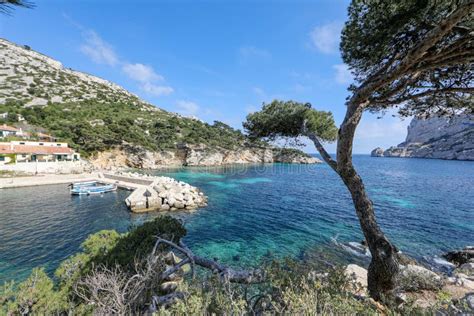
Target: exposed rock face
[
  {"x": 377, "y": 152},
  {"x": 437, "y": 137},
  {"x": 35, "y": 79},
  {"x": 193, "y": 155},
  {"x": 285, "y": 156},
  {"x": 460, "y": 257}
]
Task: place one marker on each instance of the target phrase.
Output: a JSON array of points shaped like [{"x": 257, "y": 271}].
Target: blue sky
[{"x": 216, "y": 60}]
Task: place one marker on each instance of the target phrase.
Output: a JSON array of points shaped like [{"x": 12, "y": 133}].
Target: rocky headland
[{"x": 437, "y": 137}]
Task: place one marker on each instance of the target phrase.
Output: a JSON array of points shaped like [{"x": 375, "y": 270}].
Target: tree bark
[{"x": 383, "y": 269}]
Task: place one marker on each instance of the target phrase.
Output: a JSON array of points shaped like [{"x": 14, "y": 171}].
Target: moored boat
[
  {"x": 82, "y": 184},
  {"x": 97, "y": 189}
]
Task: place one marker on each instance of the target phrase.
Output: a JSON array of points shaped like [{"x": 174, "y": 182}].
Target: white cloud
[
  {"x": 141, "y": 72},
  {"x": 101, "y": 52},
  {"x": 156, "y": 90},
  {"x": 98, "y": 50},
  {"x": 325, "y": 38},
  {"x": 343, "y": 74},
  {"x": 187, "y": 107},
  {"x": 383, "y": 132},
  {"x": 252, "y": 51},
  {"x": 259, "y": 91}
]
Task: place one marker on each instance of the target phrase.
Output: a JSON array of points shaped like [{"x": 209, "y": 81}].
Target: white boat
[
  {"x": 96, "y": 189},
  {"x": 82, "y": 184}
]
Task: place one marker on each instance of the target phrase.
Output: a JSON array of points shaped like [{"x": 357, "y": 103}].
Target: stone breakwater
[{"x": 159, "y": 193}]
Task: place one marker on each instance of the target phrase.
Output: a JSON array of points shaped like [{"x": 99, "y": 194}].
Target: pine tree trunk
[{"x": 383, "y": 268}]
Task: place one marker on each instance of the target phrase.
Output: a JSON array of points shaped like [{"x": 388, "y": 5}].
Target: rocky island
[{"x": 437, "y": 137}]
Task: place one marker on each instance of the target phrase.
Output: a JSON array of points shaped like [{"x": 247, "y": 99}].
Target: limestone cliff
[
  {"x": 129, "y": 156},
  {"x": 437, "y": 137}
]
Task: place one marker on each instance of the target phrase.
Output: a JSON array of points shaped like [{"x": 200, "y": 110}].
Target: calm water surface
[{"x": 425, "y": 206}]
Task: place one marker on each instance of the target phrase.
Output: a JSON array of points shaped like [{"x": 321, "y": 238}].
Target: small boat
[
  {"x": 97, "y": 189},
  {"x": 83, "y": 184}
]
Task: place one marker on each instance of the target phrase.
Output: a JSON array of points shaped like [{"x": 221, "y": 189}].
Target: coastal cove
[{"x": 256, "y": 211}]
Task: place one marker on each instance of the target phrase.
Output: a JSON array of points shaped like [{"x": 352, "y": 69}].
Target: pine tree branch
[
  {"x": 322, "y": 151},
  {"x": 427, "y": 93}
]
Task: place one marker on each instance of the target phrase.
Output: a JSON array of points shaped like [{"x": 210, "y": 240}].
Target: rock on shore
[{"x": 437, "y": 137}]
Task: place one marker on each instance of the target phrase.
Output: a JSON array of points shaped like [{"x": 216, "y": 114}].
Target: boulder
[
  {"x": 358, "y": 277},
  {"x": 179, "y": 205},
  {"x": 470, "y": 300},
  {"x": 460, "y": 257},
  {"x": 415, "y": 278}
]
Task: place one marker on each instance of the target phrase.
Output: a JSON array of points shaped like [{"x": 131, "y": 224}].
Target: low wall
[
  {"x": 47, "y": 167},
  {"x": 128, "y": 179}
]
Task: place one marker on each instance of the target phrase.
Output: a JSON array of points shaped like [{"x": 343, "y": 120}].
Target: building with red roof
[{"x": 25, "y": 151}]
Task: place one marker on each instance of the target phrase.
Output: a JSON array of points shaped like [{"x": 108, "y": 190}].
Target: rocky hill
[
  {"x": 111, "y": 126},
  {"x": 437, "y": 137}
]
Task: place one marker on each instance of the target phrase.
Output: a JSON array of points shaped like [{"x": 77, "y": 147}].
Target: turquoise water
[{"x": 425, "y": 206}]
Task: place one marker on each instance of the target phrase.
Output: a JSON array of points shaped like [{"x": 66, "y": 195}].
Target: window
[
  {"x": 59, "y": 145},
  {"x": 2, "y": 158},
  {"x": 22, "y": 143},
  {"x": 41, "y": 144}
]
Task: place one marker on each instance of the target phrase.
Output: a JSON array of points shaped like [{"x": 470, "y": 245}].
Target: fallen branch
[{"x": 225, "y": 273}]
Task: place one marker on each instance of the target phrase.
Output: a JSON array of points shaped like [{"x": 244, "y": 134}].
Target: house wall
[
  {"x": 49, "y": 167},
  {"x": 48, "y": 144},
  {"x": 7, "y": 159}
]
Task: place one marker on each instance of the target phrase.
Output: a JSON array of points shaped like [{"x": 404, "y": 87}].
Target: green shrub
[{"x": 34, "y": 296}]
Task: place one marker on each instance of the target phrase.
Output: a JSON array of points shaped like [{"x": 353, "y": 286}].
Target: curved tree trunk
[{"x": 384, "y": 268}]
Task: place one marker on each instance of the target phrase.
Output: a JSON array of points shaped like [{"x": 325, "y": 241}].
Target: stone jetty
[
  {"x": 153, "y": 193},
  {"x": 150, "y": 193}
]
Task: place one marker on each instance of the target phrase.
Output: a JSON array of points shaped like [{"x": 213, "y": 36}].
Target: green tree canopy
[
  {"x": 416, "y": 54},
  {"x": 7, "y": 6},
  {"x": 290, "y": 119}
]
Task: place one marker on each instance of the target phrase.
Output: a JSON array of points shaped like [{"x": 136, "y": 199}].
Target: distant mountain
[
  {"x": 104, "y": 121},
  {"x": 437, "y": 137}
]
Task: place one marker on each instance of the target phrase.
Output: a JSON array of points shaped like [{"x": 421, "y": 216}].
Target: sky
[{"x": 215, "y": 60}]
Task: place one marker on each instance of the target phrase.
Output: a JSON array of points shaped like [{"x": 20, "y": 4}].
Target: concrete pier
[{"x": 150, "y": 193}]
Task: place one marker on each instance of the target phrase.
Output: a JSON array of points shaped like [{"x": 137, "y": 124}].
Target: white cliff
[{"x": 438, "y": 138}]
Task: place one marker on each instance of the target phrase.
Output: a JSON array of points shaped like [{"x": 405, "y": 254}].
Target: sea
[{"x": 258, "y": 212}]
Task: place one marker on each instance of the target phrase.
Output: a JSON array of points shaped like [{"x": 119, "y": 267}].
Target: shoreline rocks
[
  {"x": 129, "y": 156},
  {"x": 163, "y": 194},
  {"x": 436, "y": 138},
  {"x": 460, "y": 257}
]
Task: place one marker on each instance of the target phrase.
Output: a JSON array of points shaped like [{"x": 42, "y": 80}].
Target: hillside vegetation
[
  {"x": 92, "y": 126},
  {"x": 93, "y": 114}
]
